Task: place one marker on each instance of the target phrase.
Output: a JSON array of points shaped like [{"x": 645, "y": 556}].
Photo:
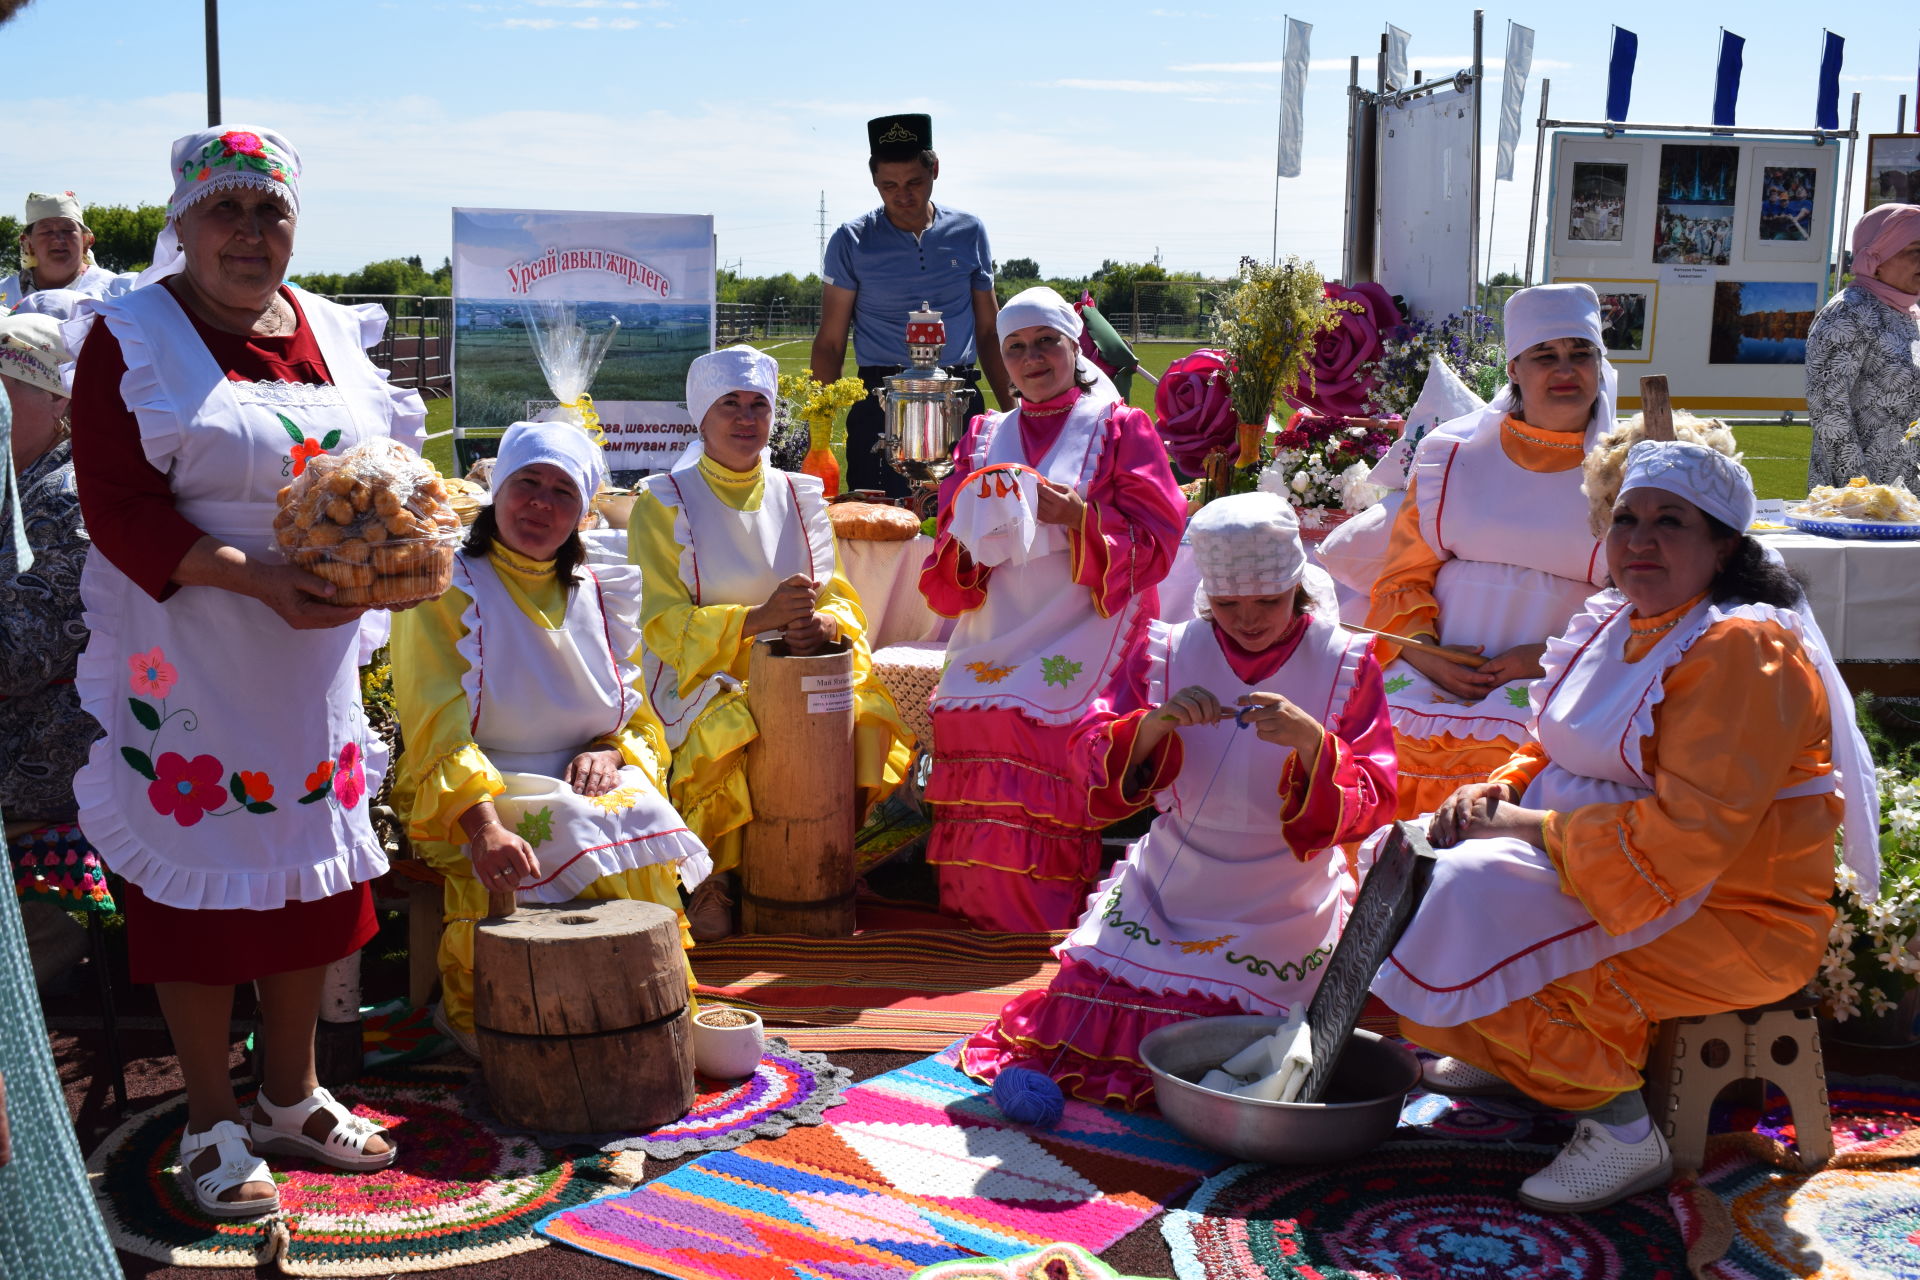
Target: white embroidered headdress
[{"x": 1707, "y": 478}]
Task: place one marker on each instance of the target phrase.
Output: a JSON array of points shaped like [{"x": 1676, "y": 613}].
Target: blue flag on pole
[
  {"x": 1826, "y": 108},
  {"x": 1626, "y": 46},
  {"x": 1726, "y": 82}
]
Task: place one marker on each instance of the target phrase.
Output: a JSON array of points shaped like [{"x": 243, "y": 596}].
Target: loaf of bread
[
  {"x": 872, "y": 522},
  {"x": 374, "y": 521}
]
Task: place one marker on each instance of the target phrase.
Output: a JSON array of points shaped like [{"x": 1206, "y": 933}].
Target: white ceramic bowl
[{"x": 728, "y": 1053}]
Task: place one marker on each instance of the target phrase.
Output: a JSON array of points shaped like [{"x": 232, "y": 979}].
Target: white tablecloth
[
  {"x": 886, "y": 577},
  {"x": 1863, "y": 593}
]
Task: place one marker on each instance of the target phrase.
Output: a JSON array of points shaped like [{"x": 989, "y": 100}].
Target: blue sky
[{"x": 1076, "y": 131}]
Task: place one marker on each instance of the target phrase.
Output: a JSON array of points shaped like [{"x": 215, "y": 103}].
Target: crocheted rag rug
[
  {"x": 917, "y": 1167},
  {"x": 1438, "y": 1202},
  {"x": 462, "y": 1191}
]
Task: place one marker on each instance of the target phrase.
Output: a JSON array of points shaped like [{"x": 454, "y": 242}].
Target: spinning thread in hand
[{"x": 1029, "y": 1097}]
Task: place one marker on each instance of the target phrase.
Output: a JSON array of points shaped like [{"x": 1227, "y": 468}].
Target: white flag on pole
[
  {"x": 1293, "y": 97},
  {"x": 1513, "y": 94},
  {"x": 1397, "y": 57}
]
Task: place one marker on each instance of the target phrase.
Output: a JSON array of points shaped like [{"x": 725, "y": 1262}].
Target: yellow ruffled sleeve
[
  {"x": 442, "y": 772},
  {"x": 697, "y": 641},
  {"x": 642, "y": 743}
]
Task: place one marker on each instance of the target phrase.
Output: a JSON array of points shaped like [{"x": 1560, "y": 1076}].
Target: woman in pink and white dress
[
  {"x": 1233, "y": 900},
  {"x": 1049, "y": 562}
]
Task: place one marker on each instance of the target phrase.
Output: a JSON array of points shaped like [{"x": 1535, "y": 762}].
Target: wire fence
[{"x": 417, "y": 348}]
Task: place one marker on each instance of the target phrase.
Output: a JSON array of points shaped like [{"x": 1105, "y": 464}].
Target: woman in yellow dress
[
  {"x": 730, "y": 549},
  {"x": 533, "y": 760}
]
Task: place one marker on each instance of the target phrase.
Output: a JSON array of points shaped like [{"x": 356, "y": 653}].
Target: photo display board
[
  {"x": 1423, "y": 246},
  {"x": 1893, "y": 170},
  {"x": 1709, "y": 255},
  {"x": 652, "y": 272}
]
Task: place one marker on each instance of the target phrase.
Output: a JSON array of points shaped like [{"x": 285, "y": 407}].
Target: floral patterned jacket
[
  {"x": 1863, "y": 390},
  {"x": 44, "y": 735}
]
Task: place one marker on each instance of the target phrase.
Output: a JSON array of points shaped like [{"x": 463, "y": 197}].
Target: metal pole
[
  {"x": 1539, "y": 162},
  {"x": 1473, "y": 187},
  {"x": 1900, "y": 117},
  {"x": 1353, "y": 106},
  {"x": 213, "y": 63},
  {"x": 1846, "y": 194},
  {"x": 1280, "y": 141}
]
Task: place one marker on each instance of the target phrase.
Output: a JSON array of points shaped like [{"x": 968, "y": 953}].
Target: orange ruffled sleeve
[{"x": 1744, "y": 716}]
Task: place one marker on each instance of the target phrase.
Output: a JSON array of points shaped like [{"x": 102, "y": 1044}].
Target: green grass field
[{"x": 1776, "y": 453}]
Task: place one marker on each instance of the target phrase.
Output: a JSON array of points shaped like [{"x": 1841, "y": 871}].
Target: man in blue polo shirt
[{"x": 885, "y": 264}]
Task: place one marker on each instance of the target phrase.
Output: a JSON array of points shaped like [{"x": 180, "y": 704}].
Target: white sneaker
[
  {"x": 1595, "y": 1169},
  {"x": 1453, "y": 1078}
]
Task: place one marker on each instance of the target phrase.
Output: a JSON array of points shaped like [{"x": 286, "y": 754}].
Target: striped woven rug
[{"x": 916, "y": 989}]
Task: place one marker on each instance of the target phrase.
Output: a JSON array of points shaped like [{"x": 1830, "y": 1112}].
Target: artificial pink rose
[
  {"x": 1195, "y": 411},
  {"x": 1341, "y": 388}
]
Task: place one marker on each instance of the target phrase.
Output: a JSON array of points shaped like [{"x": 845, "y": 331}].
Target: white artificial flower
[
  {"x": 1904, "y": 819},
  {"x": 1357, "y": 432},
  {"x": 1302, "y": 482},
  {"x": 1842, "y": 933},
  {"x": 1882, "y": 1005}
]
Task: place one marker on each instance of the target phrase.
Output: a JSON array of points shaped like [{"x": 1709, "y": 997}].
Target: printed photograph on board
[
  {"x": 1786, "y": 202},
  {"x": 1598, "y": 210},
  {"x": 1893, "y": 169},
  {"x": 1626, "y": 319},
  {"x": 1693, "y": 217},
  {"x": 1761, "y": 322}
]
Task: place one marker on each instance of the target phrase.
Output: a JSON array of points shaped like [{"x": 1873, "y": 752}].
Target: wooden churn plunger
[
  {"x": 796, "y": 860},
  {"x": 581, "y": 1013},
  {"x": 1656, "y": 408}
]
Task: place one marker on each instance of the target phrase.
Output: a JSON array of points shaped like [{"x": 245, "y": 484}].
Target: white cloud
[
  {"x": 532, "y": 24},
  {"x": 1420, "y": 62},
  {"x": 600, "y": 4},
  {"x": 1143, "y": 86}
]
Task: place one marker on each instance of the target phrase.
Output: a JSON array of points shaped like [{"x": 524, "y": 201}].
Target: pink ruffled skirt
[{"x": 1084, "y": 1030}]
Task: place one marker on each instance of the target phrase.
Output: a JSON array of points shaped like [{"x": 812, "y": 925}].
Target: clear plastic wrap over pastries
[
  {"x": 374, "y": 521},
  {"x": 1858, "y": 500}
]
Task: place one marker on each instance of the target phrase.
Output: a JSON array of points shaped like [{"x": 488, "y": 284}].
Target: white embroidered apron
[
  {"x": 540, "y": 697},
  {"x": 1212, "y": 899},
  {"x": 236, "y": 762},
  {"x": 1594, "y": 713},
  {"x": 1523, "y": 561},
  {"x": 1037, "y": 644},
  {"x": 733, "y": 557}
]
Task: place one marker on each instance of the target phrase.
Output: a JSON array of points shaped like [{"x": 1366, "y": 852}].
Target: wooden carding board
[{"x": 1387, "y": 900}]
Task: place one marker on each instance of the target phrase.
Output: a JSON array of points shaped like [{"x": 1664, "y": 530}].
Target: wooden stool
[
  {"x": 1694, "y": 1058},
  {"x": 580, "y": 1010}
]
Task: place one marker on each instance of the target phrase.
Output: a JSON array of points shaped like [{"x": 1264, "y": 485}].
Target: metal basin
[{"x": 1370, "y": 1083}]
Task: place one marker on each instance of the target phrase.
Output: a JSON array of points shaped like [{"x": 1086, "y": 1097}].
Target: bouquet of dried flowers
[
  {"x": 1269, "y": 326},
  {"x": 1465, "y": 340},
  {"x": 822, "y": 410}
]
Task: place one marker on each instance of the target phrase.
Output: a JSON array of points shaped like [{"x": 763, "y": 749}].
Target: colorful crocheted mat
[
  {"x": 1752, "y": 1215},
  {"x": 1439, "y": 1202},
  {"x": 57, "y": 865},
  {"x": 460, "y": 1193},
  {"x": 1055, "y": 1262},
  {"x": 917, "y": 1167},
  {"x": 788, "y": 1088}
]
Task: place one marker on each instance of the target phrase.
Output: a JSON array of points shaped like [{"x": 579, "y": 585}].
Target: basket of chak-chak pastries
[{"x": 374, "y": 521}]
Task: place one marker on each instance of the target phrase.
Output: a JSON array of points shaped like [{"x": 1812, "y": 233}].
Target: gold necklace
[
  {"x": 1668, "y": 625},
  {"x": 1580, "y": 444}
]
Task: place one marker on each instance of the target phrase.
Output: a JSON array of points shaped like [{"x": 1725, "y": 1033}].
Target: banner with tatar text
[{"x": 647, "y": 278}]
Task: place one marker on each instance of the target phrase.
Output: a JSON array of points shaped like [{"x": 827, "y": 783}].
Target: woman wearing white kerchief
[
  {"x": 56, "y": 252},
  {"x": 1491, "y": 553},
  {"x": 1661, "y": 847},
  {"x": 533, "y": 760},
  {"x": 1234, "y": 899},
  {"x": 1058, "y": 521},
  {"x": 730, "y": 549},
  {"x": 226, "y": 683}
]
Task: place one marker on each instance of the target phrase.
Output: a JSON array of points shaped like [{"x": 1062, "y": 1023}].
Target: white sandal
[
  {"x": 237, "y": 1166},
  {"x": 345, "y": 1147}
]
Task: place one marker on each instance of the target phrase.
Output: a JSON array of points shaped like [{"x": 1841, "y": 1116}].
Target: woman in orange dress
[{"x": 1661, "y": 847}]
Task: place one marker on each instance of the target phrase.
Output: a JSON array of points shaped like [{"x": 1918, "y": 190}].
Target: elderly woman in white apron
[
  {"x": 1491, "y": 554},
  {"x": 1661, "y": 847},
  {"x": 1058, "y": 521},
  {"x": 533, "y": 761},
  {"x": 1233, "y": 900},
  {"x": 731, "y": 549},
  {"x": 230, "y": 786}
]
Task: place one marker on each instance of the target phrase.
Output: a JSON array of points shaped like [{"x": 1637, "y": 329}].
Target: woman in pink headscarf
[{"x": 1863, "y": 374}]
